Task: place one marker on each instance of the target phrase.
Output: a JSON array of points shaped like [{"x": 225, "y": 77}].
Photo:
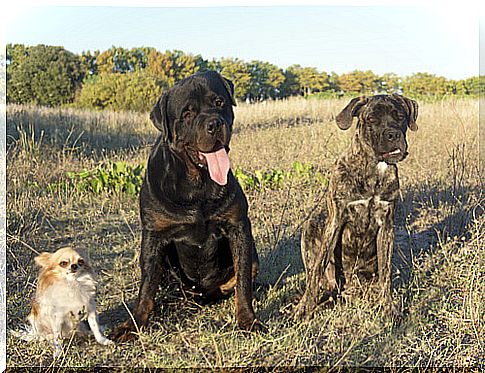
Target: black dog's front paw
[
  {"x": 251, "y": 324},
  {"x": 124, "y": 332}
]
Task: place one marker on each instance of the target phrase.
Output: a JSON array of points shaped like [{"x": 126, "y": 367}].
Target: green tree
[
  {"x": 359, "y": 82},
  {"x": 44, "y": 75},
  {"x": 426, "y": 84},
  {"x": 135, "y": 91},
  {"x": 389, "y": 83},
  {"x": 266, "y": 81},
  {"x": 291, "y": 84},
  {"x": 237, "y": 71},
  {"x": 88, "y": 62},
  {"x": 172, "y": 66},
  {"x": 121, "y": 60}
]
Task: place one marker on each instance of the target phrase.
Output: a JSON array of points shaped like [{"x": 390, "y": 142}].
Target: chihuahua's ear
[{"x": 43, "y": 259}]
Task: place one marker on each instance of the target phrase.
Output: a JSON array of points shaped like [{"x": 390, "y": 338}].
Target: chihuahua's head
[{"x": 64, "y": 263}]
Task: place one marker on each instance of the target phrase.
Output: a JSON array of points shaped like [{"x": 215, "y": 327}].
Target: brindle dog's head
[
  {"x": 195, "y": 118},
  {"x": 382, "y": 123}
]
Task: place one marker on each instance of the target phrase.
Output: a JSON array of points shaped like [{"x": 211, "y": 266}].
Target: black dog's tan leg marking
[
  {"x": 228, "y": 287},
  {"x": 152, "y": 271}
]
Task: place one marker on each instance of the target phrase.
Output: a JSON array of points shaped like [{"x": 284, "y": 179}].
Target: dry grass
[{"x": 439, "y": 257}]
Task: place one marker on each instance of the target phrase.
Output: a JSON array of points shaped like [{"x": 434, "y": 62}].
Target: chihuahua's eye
[
  {"x": 80, "y": 262},
  {"x": 219, "y": 102},
  {"x": 63, "y": 264}
]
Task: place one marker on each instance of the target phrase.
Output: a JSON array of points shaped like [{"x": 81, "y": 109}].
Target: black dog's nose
[
  {"x": 213, "y": 125},
  {"x": 74, "y": 267}
]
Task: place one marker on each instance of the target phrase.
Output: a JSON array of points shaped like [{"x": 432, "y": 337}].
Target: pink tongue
[{"x": 219, "y": 165}]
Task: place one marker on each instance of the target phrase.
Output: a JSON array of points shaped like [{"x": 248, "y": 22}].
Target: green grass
[{"x": 282, "y": 153}]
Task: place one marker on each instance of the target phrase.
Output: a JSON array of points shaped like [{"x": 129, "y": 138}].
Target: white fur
[
  {"x": 364, "y": 202},
  {"x": 382, "y": 168}
]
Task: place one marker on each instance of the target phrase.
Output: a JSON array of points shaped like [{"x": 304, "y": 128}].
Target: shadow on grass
[
  {"x": 427, "y": 215},
  {"x": 450, "y": 211}
]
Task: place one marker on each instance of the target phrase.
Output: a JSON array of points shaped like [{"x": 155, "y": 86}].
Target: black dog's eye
[
  {"x": 63, "y": 264},
  {"x": 219, "y": 102},
  {"x": 80, "y": 262}
]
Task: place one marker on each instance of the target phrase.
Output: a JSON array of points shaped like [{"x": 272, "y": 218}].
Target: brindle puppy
[
  {"x": 193, "y": 211},
  {"x": 354, "y": 235}
]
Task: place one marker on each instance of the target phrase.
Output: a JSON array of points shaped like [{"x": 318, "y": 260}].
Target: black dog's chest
[{"x": 206, "y": 263}]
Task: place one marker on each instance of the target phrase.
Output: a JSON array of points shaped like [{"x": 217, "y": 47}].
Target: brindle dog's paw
[
  {"x": 258, "y": 327},
  {"x": 303, "y": 311},
  {"x": 124, "y": 332},
  {"x": 394, "y": 312}
]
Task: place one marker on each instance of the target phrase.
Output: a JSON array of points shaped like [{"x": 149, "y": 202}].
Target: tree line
[{"x": 132, "y": 79}]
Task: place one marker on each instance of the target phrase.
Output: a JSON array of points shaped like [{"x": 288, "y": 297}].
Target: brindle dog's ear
[
  {"x": 159, "y": 117},
  {"x": 411, "y": 107},
  {"x": 344, "y": 119},
  {"x": 230, "y": 89}
]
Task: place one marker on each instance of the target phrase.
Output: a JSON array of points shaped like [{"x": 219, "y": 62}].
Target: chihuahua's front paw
[{"x": 105, "y": 341}]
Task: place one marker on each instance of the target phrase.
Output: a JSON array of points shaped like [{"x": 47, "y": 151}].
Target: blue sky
[{"x": 402, "y": 39}]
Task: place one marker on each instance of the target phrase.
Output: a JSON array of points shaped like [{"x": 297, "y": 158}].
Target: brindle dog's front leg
[
  {"x": 385, "y": 248},
  {"x": 318, "y": 251}
]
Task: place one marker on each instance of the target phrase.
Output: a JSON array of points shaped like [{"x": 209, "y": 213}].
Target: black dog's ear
[
  {"x": 230, "y": 89},
  {"x": 344, "y": 119},
  {"x": 411, "y": 107},
  {"x": 159, "y": 117}
]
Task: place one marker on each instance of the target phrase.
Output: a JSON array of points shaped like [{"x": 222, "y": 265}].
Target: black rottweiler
[{"x": 194, "y": 213}]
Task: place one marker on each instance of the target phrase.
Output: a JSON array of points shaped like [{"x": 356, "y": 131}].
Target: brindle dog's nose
[
  {"x": 393, "y": 135},
  {"x": 213, "y": 125}
]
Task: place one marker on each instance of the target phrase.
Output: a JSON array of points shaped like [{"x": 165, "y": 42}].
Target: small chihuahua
[{"x": 64, "y": 297}]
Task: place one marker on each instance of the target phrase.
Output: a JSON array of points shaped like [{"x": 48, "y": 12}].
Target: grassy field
[{"x": 439, "y": 257}]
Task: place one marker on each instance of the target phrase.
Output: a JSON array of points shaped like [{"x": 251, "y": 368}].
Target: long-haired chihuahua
[{"x": 65, "y": 296}]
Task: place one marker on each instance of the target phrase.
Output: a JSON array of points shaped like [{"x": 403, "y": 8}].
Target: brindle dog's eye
[
  {"x": 186, "y": 114},
  {"x": 80, "y": 262},
  {"x": 63, "y": 264},
  {"x": 219, "y": 102},
  {"x": 372, "y": 119}
]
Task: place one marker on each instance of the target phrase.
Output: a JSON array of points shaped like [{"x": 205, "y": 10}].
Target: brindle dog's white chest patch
[{"x": 382, "y": 168}]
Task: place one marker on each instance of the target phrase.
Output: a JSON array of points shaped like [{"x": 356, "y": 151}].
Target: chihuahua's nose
[{"x": 74, "y": 267}]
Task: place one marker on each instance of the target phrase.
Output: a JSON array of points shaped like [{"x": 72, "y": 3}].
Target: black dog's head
[
  {"x": 195, "y": 117},
  {"x": 382, "y": 123}
]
